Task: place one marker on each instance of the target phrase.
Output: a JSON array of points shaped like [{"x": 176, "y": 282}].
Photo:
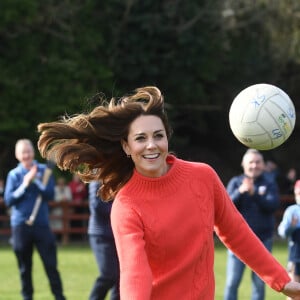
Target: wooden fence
[
  {"x": 69, "y": 215},
  {"x": 71, "y": 221}
]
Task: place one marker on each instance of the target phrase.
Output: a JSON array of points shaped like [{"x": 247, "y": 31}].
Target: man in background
[
  {"x": 23, "y": 187},
  {"x": 103, "y": 245},
  {"x": 257, "y": 198}
]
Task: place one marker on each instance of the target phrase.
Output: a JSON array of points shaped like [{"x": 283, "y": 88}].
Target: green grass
[
  {"x": 280, "y": 253},
  {"x": 78, "y": 271},
  {"x": 77, "y": 267}
]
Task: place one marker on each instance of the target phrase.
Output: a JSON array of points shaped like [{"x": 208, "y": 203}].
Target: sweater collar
[{"x": 166, "y": 184}]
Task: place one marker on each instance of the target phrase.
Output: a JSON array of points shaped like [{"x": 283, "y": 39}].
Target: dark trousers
[
  {"x": 24, "y": 239},
  {"x": 105, "y": 253}
]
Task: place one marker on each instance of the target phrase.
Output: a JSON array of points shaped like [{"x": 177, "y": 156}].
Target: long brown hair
[{"x": 90, "y": 143}]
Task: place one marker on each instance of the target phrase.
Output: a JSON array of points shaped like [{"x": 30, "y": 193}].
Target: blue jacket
[
  {"x": 285, "y": 228},
  {"x": 258, "y": 210},
  {"x": 99, "y": 221},
  {"x": 291, "y": 232},
  {"x": 22, "y": 200}
]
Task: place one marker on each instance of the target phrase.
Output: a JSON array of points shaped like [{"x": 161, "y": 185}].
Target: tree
[{"x": 54, "y": 55}]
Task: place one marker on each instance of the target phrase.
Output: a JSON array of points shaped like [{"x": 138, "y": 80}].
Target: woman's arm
[{"x": 136, "y": 275}]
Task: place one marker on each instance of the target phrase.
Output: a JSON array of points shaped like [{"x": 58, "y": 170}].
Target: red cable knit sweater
[{"x": 164, "y": 235}]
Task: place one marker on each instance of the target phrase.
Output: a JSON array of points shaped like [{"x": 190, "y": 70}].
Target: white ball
[{"x": 262, "y": 116}]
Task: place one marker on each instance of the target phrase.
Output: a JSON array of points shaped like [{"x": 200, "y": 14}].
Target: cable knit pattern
[{"x": 158, "y": 263}]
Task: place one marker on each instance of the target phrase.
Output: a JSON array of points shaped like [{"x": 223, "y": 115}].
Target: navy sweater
[
  {"x": 22, "y": 200},
  {"x": 258, "y": 210},
  {"x": 99, "y": 221}
]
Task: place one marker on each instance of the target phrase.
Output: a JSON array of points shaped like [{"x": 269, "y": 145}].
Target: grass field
[
  {"x": 78, "y": 271},
  {"x": 279, "y": 251}
]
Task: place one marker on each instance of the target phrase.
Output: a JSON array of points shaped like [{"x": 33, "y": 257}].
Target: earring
[{"x": 128, "y": 155}]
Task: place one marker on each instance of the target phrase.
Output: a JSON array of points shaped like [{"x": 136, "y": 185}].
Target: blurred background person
[
  {"x": 79, "y": 196},
  {"x": 271, "y": 170},
  {"x": 256, "y": 197},
  {"x": 23, "y": 186},
  {"x": 62, "y": 193},
  {"x": 3, "y": 209},
  {"x": 103, "y": 246},
  {"x": 2, "y": 204},
  {"x": 2, "y": 184},
  {"x": 287, "y": 182},
  {"x": 289, "y": 228},
  {"x": 78, "y": 189}
]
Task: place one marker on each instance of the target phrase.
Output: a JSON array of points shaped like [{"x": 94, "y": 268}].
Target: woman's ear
[{"x": 125, "y": 147}]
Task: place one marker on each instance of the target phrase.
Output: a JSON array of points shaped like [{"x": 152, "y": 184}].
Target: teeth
[{"x": 151, "y": 156}]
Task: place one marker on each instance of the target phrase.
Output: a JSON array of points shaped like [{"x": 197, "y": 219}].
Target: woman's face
[{"x": 147, "y": 144}]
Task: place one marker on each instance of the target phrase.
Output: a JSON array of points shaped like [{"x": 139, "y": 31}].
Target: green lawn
[
  {"x": 78, "y": 271},
  {"x": 279, "y": 251},
  {"x": 77, "y": 268}
]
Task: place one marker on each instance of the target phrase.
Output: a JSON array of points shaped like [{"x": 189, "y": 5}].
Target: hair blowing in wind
[{"x": 90, "y": 143}]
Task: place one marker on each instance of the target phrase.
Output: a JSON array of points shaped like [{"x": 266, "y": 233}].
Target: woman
[{"x": 165, "y": 209}]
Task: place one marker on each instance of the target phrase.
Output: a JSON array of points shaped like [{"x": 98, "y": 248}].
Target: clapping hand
[
  {"x": 294, "y": 221},
  {"x": 30, "y": 175},
  {"x": 247, "y": 186}
]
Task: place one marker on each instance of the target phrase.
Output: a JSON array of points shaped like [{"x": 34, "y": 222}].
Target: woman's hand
[{"x": 292, "y": 290}]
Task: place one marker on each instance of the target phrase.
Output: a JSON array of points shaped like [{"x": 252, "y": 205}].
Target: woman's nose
[{"x": 151, "y": 144}]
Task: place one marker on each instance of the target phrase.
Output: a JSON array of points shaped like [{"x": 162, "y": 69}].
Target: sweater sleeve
[
  {"x": 136, "y": 275},
  {"x": 236, "y": 235}
]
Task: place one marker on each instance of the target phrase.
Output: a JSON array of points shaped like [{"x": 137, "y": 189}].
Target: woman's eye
[
  {"x": 139, "y": 138},
  {"x": 159, "y": 136}
]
